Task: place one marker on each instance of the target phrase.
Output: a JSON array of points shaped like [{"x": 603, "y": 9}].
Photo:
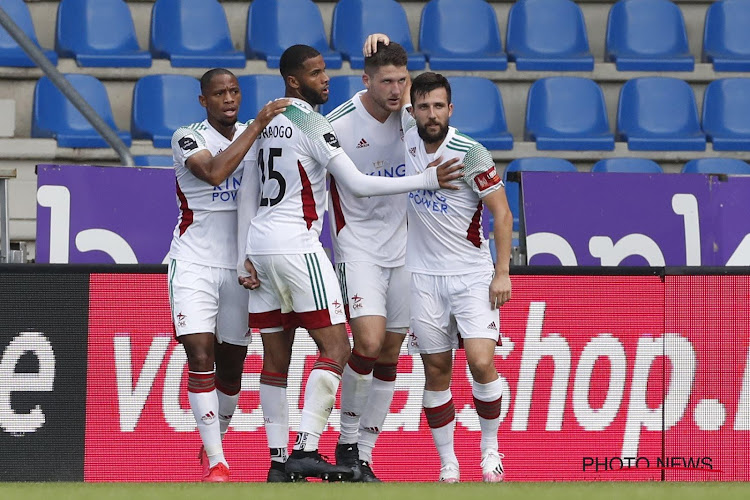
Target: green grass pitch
[{"x": 386, "y": 491}]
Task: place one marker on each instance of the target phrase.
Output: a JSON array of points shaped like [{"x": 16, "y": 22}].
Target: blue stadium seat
[
  {"x": 98, "y": 33},
  {"x": 729, "y": 166},
  {"x": 627, "y": 165},
  {"x": 461, "y": 35},
  {"x": 548, "y": 35},
  {"x": 275, "y": 25},
  {"x": 353, "y": 20},
  {"x": 726, "y": 114},
  {"x": 566, "y": 112},
  {"x": 726, "y": 37},
  {"x": 257, "y": 90},
  {"x": 659, "y": 114},
  {"x": 193, "y": 33},
  {"x": 11, "y": 54},
  {"x": 647, "y": 35},
  {"x": 530, "y": 165},
  {"x": 153, "y": 160},
  {"x": 53, "y": 116},
  {"x": 478, "y": 111},
  {"x": 162, "y": 104},
  {"x": 340, "y": 89}
]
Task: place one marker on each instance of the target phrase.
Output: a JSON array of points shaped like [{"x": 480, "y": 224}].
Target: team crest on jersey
[
  {"x": 487, "y": 179},
  {"x": 413, "y": 151},
  {"x": 188, "y": 143},
  {"x": 331, "y": 140}
]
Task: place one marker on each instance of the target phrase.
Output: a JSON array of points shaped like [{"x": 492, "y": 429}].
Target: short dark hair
[
  {"x": 210, "y": 74},
  {"x": 426, "y": 83},
  {"x": 294, "y": 58},
  {"x": 393, "y": 53}
]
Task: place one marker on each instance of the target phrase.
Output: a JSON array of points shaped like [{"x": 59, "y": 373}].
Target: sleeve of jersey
[
  {"x": 345, "y": 172},
  {"x": 322, "y": 143},
  {"x": 186, "y": 142},
  {"x": 248, "y": 199},
  {"x": 407, "y": 120},
  {"x": 480, "y": 172}
]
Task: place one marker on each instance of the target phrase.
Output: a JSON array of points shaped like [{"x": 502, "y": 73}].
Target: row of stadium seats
[
  {"x": 547, "y": 35},
  {"x": 562, "y": 113}
]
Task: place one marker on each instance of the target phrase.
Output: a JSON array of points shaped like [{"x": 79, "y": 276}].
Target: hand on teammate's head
[{"x": 371, "y": 44}]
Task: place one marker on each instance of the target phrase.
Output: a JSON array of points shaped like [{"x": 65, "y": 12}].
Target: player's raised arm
[{"x": 215, "y": 169}]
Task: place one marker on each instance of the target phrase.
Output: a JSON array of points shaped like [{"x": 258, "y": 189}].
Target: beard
[
  {"x": 312, "y": 97},
  {"x": 432, "y": 138}
]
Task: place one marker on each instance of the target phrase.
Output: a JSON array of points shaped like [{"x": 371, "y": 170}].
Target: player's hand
[
  {"x": 371, "y": 44},
  {"x": 406, "y": 96},
  {"x": 270, "y": 110},
  {"x": 500, "y": 290},
  {"x": 447, "y": 172},
  {"x": 250, "y": 282}
]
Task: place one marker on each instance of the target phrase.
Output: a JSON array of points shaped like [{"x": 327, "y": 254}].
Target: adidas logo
[
  {"x": 208, "y": 416},
  {"x": 362, "y": 143},
  {"x": 492, "y": 326},
  {"x": 413, "y": 151}
]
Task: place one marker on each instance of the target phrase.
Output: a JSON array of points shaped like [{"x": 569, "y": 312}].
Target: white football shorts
[
  {"x": 208, "y": 300},
  {"x": 444, "y": 307},
  {"x": 372, "y": 290},
  {"x": 297, "y": 290}
]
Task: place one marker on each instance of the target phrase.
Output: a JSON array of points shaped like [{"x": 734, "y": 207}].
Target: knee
[
  {"x": 200, "y": 360},
  {"x": 483, "y": 370},
  {"x": 367, "y": 347}
]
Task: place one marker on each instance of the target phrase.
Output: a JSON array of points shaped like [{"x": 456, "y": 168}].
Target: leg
[
  {"x": 487, "y": 391},
  {"x": 230, "y": 362},
  {"x": 230, "y": 346},
  {"x": 277, "y": 354},
  {"x": 440, "y": 411},
  {"x": 322, "y": 384},
  {"x": 203, "y": 398},
  {"x": 368, "y": 333},
  {"x": 478, "y": 325},
  {"x": 381, "y": 394}
]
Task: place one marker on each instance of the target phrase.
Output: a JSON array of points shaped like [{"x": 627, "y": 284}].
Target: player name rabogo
[{"x": 276, "y": 131}]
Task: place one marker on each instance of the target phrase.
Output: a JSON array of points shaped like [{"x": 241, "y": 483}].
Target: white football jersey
[
  {"x": 291, "y": 154},
  {"x": 445, "y": 226},
  {"x": 206, "y": 231},
  {"x": 371, "y": 229}
]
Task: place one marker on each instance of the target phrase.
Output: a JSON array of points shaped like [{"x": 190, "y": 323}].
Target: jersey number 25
[{"x": 271, "y": 174}]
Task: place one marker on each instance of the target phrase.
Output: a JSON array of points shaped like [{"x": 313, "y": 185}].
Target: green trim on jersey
[
  {"x": 311, "y": 123},
  {"x": 316, "y": 281},
  {"x": 197, "y": 126},
  {"x": 341, "y": 110},
  {"x": 460, "y": 144},
  {"x": 341, "y": 271},
  {"x": 193, "y": 130},
  {"x": 476, "y": 161},
  {"x": 172, "y": 270}
]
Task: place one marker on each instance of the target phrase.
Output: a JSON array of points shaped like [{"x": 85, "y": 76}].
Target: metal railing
[{"x": 36, "y": 54}]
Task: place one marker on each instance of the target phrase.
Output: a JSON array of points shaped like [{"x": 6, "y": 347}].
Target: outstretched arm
[{"x": 361, "y": 185}]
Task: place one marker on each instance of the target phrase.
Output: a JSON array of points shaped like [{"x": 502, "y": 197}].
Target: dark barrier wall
[
  {"x": 644, "y": 376},
  {"x": 43, "y": 339}
]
